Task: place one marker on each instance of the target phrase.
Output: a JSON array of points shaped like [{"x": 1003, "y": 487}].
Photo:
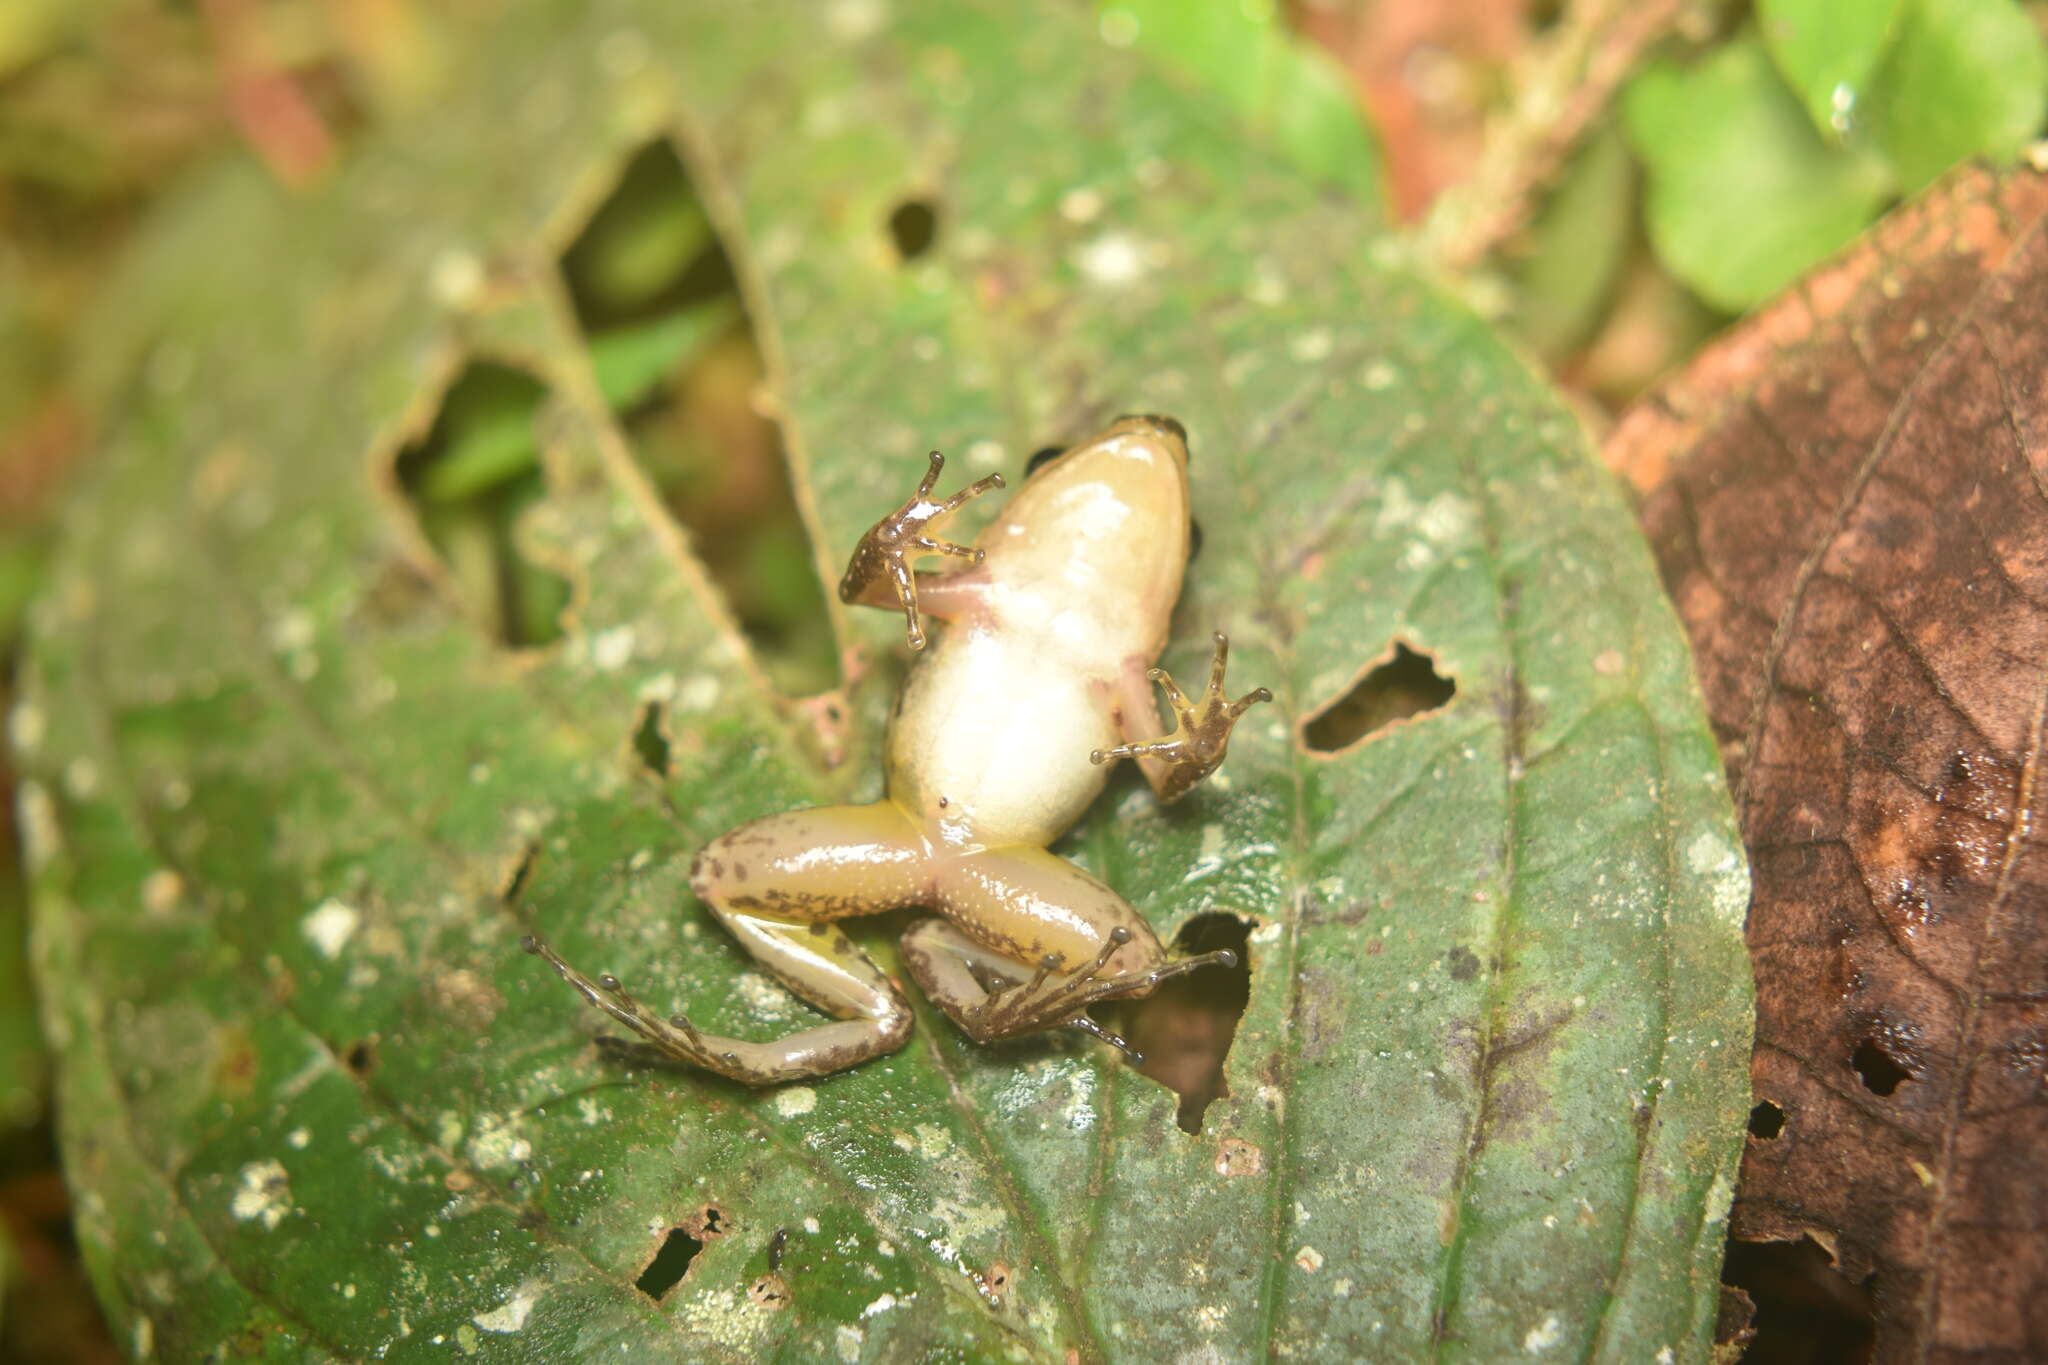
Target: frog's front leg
[
  {"x": 777, "y": 883},
  {"x": 1029, "y": 941},
  {"x": 1201, "y": 734},
  {"x": 879, "y": 572}
]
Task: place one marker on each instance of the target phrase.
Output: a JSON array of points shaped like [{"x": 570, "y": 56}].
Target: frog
[{"x": 1003, "y": 734}]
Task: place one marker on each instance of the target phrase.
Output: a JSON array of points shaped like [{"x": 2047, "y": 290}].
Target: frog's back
[{"x": 991, "y": 741}]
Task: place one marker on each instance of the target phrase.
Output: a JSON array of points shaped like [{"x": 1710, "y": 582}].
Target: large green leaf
[{"x": 292, "y": 812}]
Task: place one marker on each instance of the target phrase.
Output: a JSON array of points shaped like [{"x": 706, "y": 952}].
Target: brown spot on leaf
[
  {"x": 1848, "y": 499},
  {"x": 1235, "y": 1156}
]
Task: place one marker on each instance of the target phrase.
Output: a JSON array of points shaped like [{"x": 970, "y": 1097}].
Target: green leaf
[
  {"x": 630, "y": 361},
  {"x": 1827, "y": 50},
  {"x": 1576, "y": 246},
  {"x": 1743, "y": 193},
  {"x": 1285, "y": 89},
  {"x": 24, "y": 1068},
  {"x": 1488, "y": 1093},
  {"x": 1965, "y": 78}
]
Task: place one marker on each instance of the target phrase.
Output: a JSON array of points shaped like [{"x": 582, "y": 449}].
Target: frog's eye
[{"x": 1042, "y": 458}]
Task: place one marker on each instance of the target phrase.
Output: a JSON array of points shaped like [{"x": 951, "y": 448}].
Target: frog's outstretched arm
[
  {"x": 879, "y": 573},
  {"x": 1201, "y": 733}
]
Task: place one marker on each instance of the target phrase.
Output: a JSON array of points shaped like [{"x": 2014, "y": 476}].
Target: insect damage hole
[
  {"x": 650, "y": 740},
  {"x": 1806, "y": 1308},
  {"x": 676, "y": 359},
  {"x": 913, "y": 227},
  {"x": 1766, "y": 1121},
  {"x": 1880, "y": 1072},
  {"x": 669, "y": 1265},
  {"x": 469, "y": 480},
  {"x": 1184, "y": 1028},
  {"x": 1398, "y": 687}
]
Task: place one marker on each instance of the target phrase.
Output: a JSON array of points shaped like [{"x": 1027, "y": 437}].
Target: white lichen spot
[
  {"x": 144, "y": 1339},
  {"x": 881, "y": 1305},
  {"x": 811, "y": 1227},
  {"x": 698, "y": 692},
  {"x": 1309, "y": 1259},
  {"x": 847, "y": 1341},
  {"x": 1712, "y": 857},
  {"x": 456, "y": 277},
  {"x": 496, "y": 1144},
  {"x": 1266, "y": 288},
  {"x": 794, "y": 1101},
  {"x": 986, "y": 455},
  {"x": 764, "y": 997},
  {"x": 852, "y": 20},
  {"x": 298, "y": 1138},
  {"x": 1378, "y": 375},
  {"x": 1608, "y": 663},
  {"x": 81, "y": 778},
  {"x": 611, "y": 650},
  {"x": 25, "y": 727},
  {"x": 292, "y": 631},
  {"x": 1341, "y": 1289},
  {"x": 1081, "y": 205},
  {"x": 330, "y": 926},
  {"x": 1543, "y": 1335},
  {"x": 1210, "y": 1317},
  {"x": 1313, "y": 345},
  {"x": 161, "y": 892},
  {"x": 511, "y": 1315},
  {"x": 263, "y": 1194},
  {"x": 1113, "y": 259},
  {"x": 1666, "y": 1357}
]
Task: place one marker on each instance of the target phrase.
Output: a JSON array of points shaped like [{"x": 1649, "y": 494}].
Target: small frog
[{"x": 1001, "y": 738}]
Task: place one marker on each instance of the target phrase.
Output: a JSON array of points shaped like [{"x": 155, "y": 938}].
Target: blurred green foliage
[{"x": 1775, "y": 149}]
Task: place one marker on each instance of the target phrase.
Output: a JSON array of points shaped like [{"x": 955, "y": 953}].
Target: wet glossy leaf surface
[
  {"x": 1849, "y": 498},
  {"x": 292, "y": 809}
]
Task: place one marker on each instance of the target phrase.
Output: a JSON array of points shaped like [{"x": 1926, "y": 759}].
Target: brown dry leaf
[{"x": 1849, "y": 501}]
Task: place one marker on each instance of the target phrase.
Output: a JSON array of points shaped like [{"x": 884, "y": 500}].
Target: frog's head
[{"x": 1106, "y": 520}]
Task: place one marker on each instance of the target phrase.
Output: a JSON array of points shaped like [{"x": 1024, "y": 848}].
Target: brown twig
[{"x": 1568, "y": 82}]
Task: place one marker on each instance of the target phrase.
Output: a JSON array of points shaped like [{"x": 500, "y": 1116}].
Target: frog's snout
[{"x": 1159, "y": 421}]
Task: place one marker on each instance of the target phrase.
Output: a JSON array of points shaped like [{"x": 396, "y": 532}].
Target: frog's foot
[
  {"x": 1052, "y": 999},
  {"x": 1201, "y": 733},
  {"x": 885, "y": 552},
  {"x": 674, "y": 1039}
]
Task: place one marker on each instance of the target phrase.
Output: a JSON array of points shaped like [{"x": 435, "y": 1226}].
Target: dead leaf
[{"x": 1848, "y": 498}]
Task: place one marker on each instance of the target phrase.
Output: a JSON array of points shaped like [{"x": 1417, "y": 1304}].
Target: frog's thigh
[
  {"x": 1024, "y": 903},
  {"x": 814, "y": 865},
  {"x": 775, "y": 883}
]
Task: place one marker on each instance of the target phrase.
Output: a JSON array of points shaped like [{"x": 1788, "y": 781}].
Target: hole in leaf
[
  {"x": 469, "y": 480},
  {"x": 1403, "y": 687},
  {"x": 360, "y": 1058},
  {"x": 650, "y": 743},
  {"x": 675, "y": 357},
  {"x": 1806, "y": 1309},
  {"x": 1766, "y": 1121},
  {"x": 669, "y": 1265},
  {"x": 1880, "y": 1072},
  {"x": 1184, "y": 1028},
  {"x": 913, "y": 227}
]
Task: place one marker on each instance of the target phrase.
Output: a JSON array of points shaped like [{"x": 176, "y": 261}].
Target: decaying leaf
[{"x": 1849, "y": 501}]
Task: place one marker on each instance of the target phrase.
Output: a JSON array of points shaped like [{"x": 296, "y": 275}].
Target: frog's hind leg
[
  {"x": 1029, "y": 941},
  {"x": 777, "y": 883},
  {"x": 962, "y": 977}
]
